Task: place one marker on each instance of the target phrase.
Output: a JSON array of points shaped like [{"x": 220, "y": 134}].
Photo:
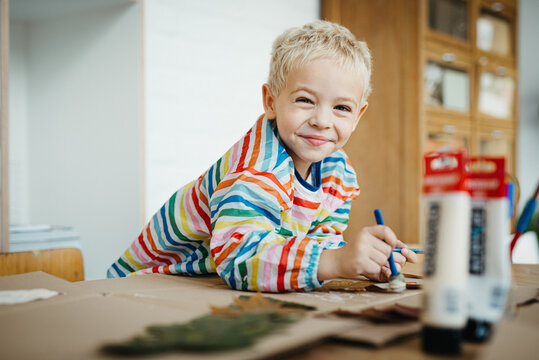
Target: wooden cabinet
[{"x": 444, "y": 78}]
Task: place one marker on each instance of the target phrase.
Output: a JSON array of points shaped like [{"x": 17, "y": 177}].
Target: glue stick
[
  {"x": 447, "y": 205},
  {"x": 489, "y": 268}
]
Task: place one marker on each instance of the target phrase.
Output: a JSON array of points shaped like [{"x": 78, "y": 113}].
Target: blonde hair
[{"x": 316, "y": 40}]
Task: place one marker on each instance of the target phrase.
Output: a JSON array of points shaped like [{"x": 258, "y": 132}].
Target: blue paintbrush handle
[
  {"x": 380, "y": 221},
  {"x": 525, "y": 218},
  {"x": 392, "y": 266},
  {"x": 378, "y": 217},
  {"x": 417, "y": 251}
]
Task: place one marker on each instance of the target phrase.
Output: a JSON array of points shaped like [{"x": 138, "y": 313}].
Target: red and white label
[
  {"x": 445, "y": 172},
  {"x": 487, "y": 177}
]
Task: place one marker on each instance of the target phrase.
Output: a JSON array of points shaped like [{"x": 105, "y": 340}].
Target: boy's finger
[
  {"x": 410, "y": 255},
  {"x": 385, "y": 233},
  {"x": 382, "y": 246},
  {"x": 372, "y": 268},
  {"x": 379, "y": 257},
  {"x": 399, "y": 259},
  {"x": 400, "y": 244},
  {"x": 386, "y": 273}
]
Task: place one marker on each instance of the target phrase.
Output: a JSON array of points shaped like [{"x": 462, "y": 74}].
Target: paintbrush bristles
[{"x": 397, "y": 282}]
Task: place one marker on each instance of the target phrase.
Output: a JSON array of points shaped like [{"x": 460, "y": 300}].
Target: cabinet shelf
[
  {"x": 437, "y": 114},
  {"x": 437, "y": 37}
]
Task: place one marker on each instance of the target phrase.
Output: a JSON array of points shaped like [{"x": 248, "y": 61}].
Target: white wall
[
  {"x": 84, "y": 133},
  {"x": 75, "y": 101},
  {"x": 205, "y": 63},
  {"x": 19, "y": 209},
  {"x": 528, "y": 134}
]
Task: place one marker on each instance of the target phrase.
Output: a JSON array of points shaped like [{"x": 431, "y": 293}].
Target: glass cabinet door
[
  {"x": 497, "y": 142},
  {"x": 447, "y": 74},
  {"x": 447, "y": 87},
  {"x": 447, "y": 137},
  {"x": 494, "y": 29},
  {"x": 449, "y": 17},
  {"x": 496, "y": 93}
]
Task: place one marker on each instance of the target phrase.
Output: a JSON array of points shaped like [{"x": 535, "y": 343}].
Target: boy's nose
[{"x": 320, "y": 119}]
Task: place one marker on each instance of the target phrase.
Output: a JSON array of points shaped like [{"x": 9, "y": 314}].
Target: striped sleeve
[
  {"x": 339, "y": 183},
  {"x": 249, "y": 251},
  {"x": 175, "y": 241},
  {"x": 328, "y": 230}
]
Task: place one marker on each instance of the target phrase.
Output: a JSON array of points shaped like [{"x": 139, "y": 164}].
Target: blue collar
[{"x": 316, "y": 175}]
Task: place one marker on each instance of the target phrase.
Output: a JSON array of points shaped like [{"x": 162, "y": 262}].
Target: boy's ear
[
  {"x": 361, "y": 112},
  {"x": 269, "y": 102}
]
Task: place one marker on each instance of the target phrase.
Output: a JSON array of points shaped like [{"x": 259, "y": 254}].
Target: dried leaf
[
  {"x": 285, "y": 304},
  {"x": 345, "y": 285},
  {"x": 235, "y": 326},
  {"x": 256, "y": 303}
]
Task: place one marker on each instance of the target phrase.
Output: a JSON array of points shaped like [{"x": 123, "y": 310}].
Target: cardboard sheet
[
  {"x": 31, "y": 281},
  {"x": 204, "y": 289},
  {"x": 86, "y": 315},
  {"x": 77, "y": 329},
  {"x": 89, "y": 314},
  {"x": 378, "y": 335}
]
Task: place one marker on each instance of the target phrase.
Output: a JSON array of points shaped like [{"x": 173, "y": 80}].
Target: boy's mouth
[{"x": 315, "y": 139}]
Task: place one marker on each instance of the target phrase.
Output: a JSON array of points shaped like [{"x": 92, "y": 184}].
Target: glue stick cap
[
  {"x": 477, "y": 330},
  {"x": 443, "y": 341}
]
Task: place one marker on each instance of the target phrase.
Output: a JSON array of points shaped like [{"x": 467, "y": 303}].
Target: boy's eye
[
  {"x": 343, "y": 108},
  {"x": 305, "y": 100}
]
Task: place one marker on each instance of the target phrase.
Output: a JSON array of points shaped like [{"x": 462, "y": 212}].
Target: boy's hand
[
  {"x": 399, "y": 258},
  {"x": 367, "y": 254}
]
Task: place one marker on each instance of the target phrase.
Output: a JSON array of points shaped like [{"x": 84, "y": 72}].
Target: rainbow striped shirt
[{"x": 251, "y": 218}]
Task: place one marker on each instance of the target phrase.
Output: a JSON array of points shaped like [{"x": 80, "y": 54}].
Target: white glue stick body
[
  {"x": 490, "y": 267},
  {"x": 447, "y": 205}
]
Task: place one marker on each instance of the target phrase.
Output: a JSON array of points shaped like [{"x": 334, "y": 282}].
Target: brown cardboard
[
  {"x": 171, "y": 289},
  {"x": 379, "y": 335},
  {"x": 34, "y": 280},
  {"x": 77, "y": 329},
  {"x": 134, "y": 283},
  {"x": 90, "y": 314},
  {"x": 30, "y": 280}
]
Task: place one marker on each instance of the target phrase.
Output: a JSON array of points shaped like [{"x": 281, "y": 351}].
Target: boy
[{"x": 270, "y": 214}]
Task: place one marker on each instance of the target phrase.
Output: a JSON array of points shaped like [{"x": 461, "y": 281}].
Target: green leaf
[{"x": 239, "y": 325}]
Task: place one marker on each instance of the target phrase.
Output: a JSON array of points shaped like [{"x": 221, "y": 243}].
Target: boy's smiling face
[{"x": 317, "y": 110}]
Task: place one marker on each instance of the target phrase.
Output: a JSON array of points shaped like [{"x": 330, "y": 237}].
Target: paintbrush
[
  {"x": 417, "y": 251},
  {"x": 524, "y": 220},
  {"x": 396, "y": 280}
]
